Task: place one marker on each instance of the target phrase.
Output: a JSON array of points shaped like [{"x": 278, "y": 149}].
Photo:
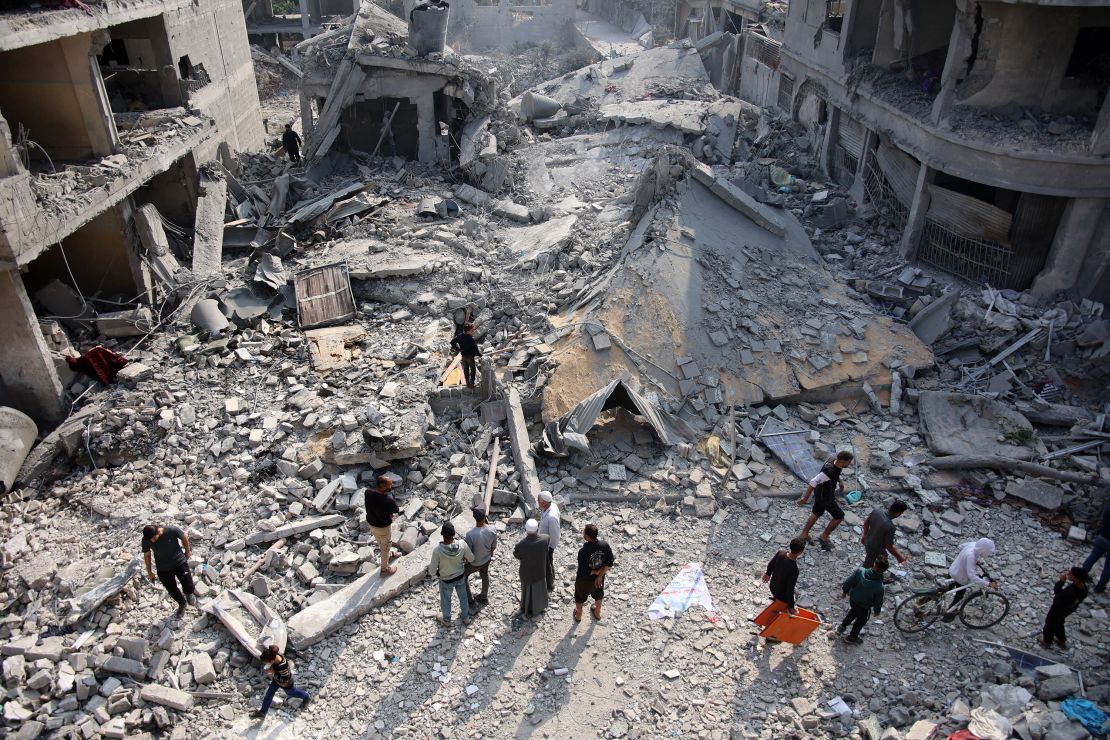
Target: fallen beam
[
  {"x": 208, "y": 237},
  {"x": 491, "y": 478},
  {"x": 963, "y": 462},
  {"x": 148, "y": 225},
  {"x": 295, "y": 528},
  {"x": 522, "y": 453},
  {"x": 738, "y": 200}
]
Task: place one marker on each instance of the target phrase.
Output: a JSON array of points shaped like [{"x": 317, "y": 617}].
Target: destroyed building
[
  {"x": 102, "y": 112},
  {"x": 980, "y": 129},
  {"x": 271, "y": 29}
]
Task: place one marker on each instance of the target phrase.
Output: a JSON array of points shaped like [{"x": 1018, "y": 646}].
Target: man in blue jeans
[
  {"x": 449, "y": 561},
  {"x": 1101, "y": 550}
]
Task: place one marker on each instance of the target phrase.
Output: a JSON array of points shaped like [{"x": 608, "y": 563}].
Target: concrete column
[
  {"x": 88, "y": 89},
  {"x": 27, "y": 374},
  {"x": 305, "y": 19},
  {"x": 832, "y": 129},
  {"x": 915, "y": 223},
  {"x": 959, "y": 49},
  {"x": 426, "y": 128},
  {"x": 1073, "y": 238},
  {"x": 306, "y": 115},
  {"x": 1100, "y": 137}
]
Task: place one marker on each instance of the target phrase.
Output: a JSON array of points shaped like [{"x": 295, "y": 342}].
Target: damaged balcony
[{"x": 46, "y": 201}]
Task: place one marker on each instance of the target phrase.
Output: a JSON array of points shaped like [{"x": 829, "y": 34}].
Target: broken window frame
[{"x": 834, "y": 15}]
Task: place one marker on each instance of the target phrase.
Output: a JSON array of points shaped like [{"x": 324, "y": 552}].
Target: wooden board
[{"x": 324, "y": 296}]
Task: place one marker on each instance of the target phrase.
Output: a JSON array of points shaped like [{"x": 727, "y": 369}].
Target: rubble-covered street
[{"x": 682, "y": 316}]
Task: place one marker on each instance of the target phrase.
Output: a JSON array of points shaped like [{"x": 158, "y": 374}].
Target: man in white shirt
[{"x": 549, "y": 525}]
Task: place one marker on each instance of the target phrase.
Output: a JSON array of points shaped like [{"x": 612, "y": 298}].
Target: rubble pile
[{"x": 630, "y": 222}]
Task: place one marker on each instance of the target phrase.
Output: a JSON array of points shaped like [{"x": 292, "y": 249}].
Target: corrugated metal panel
[
  {"x": 968, "y": 216},
  {"x": 762, "y": 49},
  {"x": 900, "y": 171},
  {"x": 324, "y": 296},
  {"x": 851, "y": 133}
]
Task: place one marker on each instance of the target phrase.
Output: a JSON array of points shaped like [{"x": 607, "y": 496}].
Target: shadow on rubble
[
  {"x": 416, "y": 688},
  {"x": 571, "y": 647}
]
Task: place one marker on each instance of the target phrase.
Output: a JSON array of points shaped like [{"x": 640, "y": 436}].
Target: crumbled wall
[{"x": 505, "y": 25}]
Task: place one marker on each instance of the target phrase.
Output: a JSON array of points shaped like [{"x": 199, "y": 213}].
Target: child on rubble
[
  {"x": 281, "y": 675},
  {"x": 782, "y": 574},
  {"x": 1069, "y": 592},
  {"x": 864, "y": 590}
]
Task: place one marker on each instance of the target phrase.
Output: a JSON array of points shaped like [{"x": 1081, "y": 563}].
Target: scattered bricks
[
  {"x": 311, "y": 470},
  {"x": 158, "y": 664},
  {"x": 109, "y": 686},
  {"x": 233, "y": 407},
  {"x": 345, "y": 563},
  {"x": 113, "y": 728},
  {"x": 16, "y": 712},
  {"x": 29, "y": 730},
  {"x": 1057, "y": 687},
  {"x": 167, "y": 697},
  {"x": 260, "y": 587},
  {"x": 126, "y": 666},
  {"x": 203, "y": 670},
  {"x": 40, "y": 680},
  {"x": 14, "y": 670},
  {"x": 51, "y": 649},
  {"x": 133, "y": 647},
  {"x": 307, "y": 572}
]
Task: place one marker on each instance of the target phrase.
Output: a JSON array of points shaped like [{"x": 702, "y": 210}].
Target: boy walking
[
  {"x": 1069, "y": 592},
  {"x": 823, "y": 488},
  {"x": 782, "y": 573},
  {"x": 864, "y": 591}
]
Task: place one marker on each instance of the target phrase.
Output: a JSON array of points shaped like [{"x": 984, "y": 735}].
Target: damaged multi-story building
[
  {"x": 978, "y": 130},
  {"x": 103, "y": 109}
]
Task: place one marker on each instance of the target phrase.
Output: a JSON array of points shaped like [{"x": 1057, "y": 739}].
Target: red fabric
[
  {"x": 99, "y": 363},
  {"x": 962, "y": 735}
]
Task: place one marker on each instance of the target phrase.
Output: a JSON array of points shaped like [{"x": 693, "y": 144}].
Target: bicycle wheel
[
  {"x": 918, "y": 612},
  {"x": 984, "y": 609}
]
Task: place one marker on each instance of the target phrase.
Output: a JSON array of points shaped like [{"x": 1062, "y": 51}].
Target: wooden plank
[
  {"x": 491, "y": 478},
  {"x": 452, "y": 366},
  {"x": 323, "y": 296}
]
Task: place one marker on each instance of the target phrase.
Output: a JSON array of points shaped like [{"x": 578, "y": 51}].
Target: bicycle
[{"x": 981, "y": 608}]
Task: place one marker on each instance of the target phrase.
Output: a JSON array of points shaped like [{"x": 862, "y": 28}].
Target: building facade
[
  {"x": 102, "y": 112},
  {"x": 981, "y": 129}
]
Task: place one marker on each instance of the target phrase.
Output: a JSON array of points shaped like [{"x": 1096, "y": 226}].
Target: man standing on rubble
[
  {"x": 291, "y": 142},
  {"x": 380, "y": 509},
  {"x": 532, "y": 554},
  {"x": 171, "y": 561},
  {"x": 823, "y": 488},
  {"x": 1101, "y": 549},
  {"x": 550, "y": 526},
  {"x": 465, "y": 344},
  {"x": 482, "y": 541},
  {"x": 878, "y": 534}
]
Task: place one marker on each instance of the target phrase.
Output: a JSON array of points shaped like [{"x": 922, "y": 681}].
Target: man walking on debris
[
  {"x": 1101, "y": 549},
  {"x": 595, "y": 558},
  {"x": 532, "y": 554},
  {"x": 380, "y": 509},
  {"x": 482, "y": 541},
  {"x": 550, "y": 526},
  {"x": 291, "y": 142},
  {"x": 864, "y": 591},
  {"x": 823, "y": 488},
  {"x": 449, "y": 561},
  {"x": 465, "y": 344},
  {"x": 878, "y": 534},
  {"x": 171, "y": 561},
  {"x": 1069, "y": 592},
  {"x": 782, "y": 573}
]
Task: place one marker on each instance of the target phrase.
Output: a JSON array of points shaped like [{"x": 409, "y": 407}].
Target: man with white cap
[
  {"x": 532, "y": 554},
  {"x": 549, "y": 525}
]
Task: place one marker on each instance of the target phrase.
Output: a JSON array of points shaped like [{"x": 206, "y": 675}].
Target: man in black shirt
[
  {"x": 823, "y": 488},
  {"x": 782, "y": 573},
  {"x": 465, "y": 344},
  {"x": 291, "y": 142},
  {"x": 171, "y": 562},
  {"x": 595, "y": 558},
  {"x": 1101, "y": 549},
  {"x": 380, "y": 509}
]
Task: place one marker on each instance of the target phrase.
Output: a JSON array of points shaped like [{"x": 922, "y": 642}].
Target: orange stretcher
[{"x": 779, "y": 624}]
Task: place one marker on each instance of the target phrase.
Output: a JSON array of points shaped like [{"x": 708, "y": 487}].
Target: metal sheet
[
  {"x": 968, "y": 216},
  {"x": 670, "y": 429},
  {"x": 792, "y": 447},
  {"x": 324, "y": 296},
  {"x": 900, "y": 171},
  {"x": 851, "y": 133}
]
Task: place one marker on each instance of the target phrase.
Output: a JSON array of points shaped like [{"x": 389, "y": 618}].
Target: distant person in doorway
[
  {"x": 466, "y": 345},
  {"x": 170, "y": 548},
  {"x": 823, "y": 489},
  {"x": 291, "y": 142}
]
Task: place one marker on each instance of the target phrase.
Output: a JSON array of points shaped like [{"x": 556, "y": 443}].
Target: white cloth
[
  {"x": 686, "y": 590},
  {"x": 818, "y": 480},
  {"x": 550, "y": 525},
  {"x": 963, "y": 569}
]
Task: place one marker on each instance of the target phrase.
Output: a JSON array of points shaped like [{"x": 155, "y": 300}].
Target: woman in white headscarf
[{"x": 965, "y": 569}]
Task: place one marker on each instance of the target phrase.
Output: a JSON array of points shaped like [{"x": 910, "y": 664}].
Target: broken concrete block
[
  {"x": 408, "y": 540},
  {"x": 307, "y": 572},
  {"x": 167, "y": 697},
  {"x": 133, "y": 647},
  {"x": 126, "y": 666},
  {"x": 134, "y": 372},
  {"x": 295, "y": 528},
  {"x": 203, "y": 670},
  {"x": 1057, "y": 687},
  {"x": 1044, "y": 495}
]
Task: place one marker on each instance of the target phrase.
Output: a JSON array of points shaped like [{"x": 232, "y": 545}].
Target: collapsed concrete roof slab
[
  {"x": 756, "y": 312},
  {"x": 963, "y": 424}
]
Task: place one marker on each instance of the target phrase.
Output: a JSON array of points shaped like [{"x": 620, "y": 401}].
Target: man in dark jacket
[
  {"x": 864, "y": 591},
  {"x": 1069, "y": 591},
  {"x": 291, "y": 143},
  {"x": 823, "y": 488},
  {"x": 532, "y": 554},
  {"x": 465, "y": 344},
  {"x": 782, "y": 573},
  {"x": 1101, "y": 550},
  {"x": 380, "y": 510}
]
